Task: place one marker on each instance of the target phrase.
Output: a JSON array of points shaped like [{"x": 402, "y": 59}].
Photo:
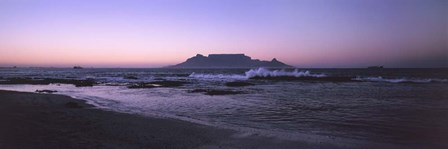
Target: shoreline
[
  {"x": 143, "y": 130},
  {"x": 34, "y": 120}
]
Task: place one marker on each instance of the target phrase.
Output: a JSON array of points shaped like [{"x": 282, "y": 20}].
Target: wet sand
[{"x": 31, "y": 120}]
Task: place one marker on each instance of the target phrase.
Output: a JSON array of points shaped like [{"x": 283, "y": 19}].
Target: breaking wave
[
  {"x": 262, "y": 72},
  {"x": 217, "y": 76},
  {"x": 399, "y": 80},
  {"x": 266, "y": 74},
  {"x": 259, "y": 73}
]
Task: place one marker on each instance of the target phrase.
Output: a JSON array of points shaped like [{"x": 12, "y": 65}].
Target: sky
[{"x": 155, "y": 33}]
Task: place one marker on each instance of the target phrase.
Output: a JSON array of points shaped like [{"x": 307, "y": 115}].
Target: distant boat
[
  {"x": 375, "y": 67},
  {"x": 77, "y": 67}
]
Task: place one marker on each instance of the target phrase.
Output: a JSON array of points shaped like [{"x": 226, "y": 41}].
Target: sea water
[{"x": 380, "y": 105}]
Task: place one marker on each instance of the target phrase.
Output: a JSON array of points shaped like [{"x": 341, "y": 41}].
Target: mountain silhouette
[{"x": 228, "y": 61}]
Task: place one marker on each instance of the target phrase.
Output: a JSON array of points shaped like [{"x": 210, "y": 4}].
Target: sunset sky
[{"x": 154, "y": 33}]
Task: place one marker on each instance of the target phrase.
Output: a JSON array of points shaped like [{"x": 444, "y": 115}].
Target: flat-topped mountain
[{"x": 228, "y": 61}]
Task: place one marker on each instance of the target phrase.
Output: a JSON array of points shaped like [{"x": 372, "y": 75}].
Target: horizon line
[{"x": 166, "y": 67}]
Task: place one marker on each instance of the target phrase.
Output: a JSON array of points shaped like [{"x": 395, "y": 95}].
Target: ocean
[{"x": 397, "y": 106}]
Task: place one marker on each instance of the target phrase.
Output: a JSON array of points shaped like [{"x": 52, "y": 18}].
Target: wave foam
[
  {"x": 217, "y": 76},
  {"x": 259, "y": 72},
  {"x": 262, "y": 72}
]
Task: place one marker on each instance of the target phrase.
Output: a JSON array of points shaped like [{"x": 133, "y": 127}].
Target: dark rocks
[
  {"x": 142, "y": 85},
  {"x": 46, "y": 81},
  {"x": 24, "y": 81},
  {"x": 238, "y": 84},
  {"x": 198, "y": 91},
  {"x": 293, "y": 78},
  {"x": 73, "y": 105},
  {"x": 158, "y": 84},
  {"x": 83, "y": 83},
  {"x": 222, "y": 92},
  {"x": 130, "y": 77},
  {"x": 46, "y": 91},
  {"x": 213, "y": 92}
]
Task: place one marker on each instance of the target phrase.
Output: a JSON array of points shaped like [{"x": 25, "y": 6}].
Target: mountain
[{"x": 228, "y": 61}]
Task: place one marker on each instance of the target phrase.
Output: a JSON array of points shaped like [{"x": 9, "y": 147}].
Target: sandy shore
[{"x": 30, "y": 120}]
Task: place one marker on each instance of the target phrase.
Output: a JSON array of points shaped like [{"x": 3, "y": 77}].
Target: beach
[{"x": 31, "y": 120}]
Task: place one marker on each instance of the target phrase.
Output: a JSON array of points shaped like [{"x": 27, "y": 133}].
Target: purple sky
[{"x": 303, "y": 33}]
